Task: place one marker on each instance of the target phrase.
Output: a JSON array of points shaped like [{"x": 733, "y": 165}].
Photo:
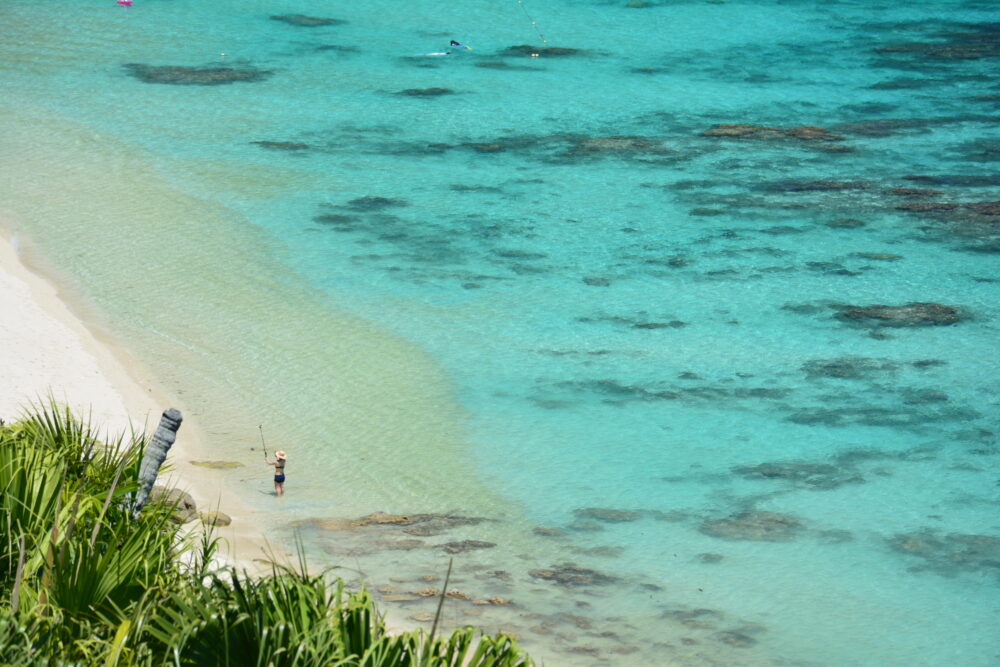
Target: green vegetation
[{"x": 83, "y": 583}]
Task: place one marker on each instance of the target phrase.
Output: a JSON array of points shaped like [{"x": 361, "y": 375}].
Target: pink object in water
[{"x": 125, "y": 3}]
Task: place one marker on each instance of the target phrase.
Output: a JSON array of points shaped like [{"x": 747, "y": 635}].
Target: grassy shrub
[{"x": 83, "y": 583}]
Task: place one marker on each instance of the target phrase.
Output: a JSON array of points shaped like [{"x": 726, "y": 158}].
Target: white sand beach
[{"x": 47, "y": 349}]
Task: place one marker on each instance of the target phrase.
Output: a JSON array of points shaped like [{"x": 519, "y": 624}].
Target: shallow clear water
[{"x": 546, "y": 290}]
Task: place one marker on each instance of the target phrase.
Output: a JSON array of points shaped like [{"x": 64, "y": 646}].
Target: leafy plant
[{"x": 85, "y": 582}]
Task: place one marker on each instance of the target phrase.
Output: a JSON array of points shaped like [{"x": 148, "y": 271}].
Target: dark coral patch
[
  {"x": 337, "y": 48},
  {"x": 466, "y": 545},
  {"x": 754, "y": 525},
  {"x": 180, "y": 75},
  {"x": 568, "y": 575},
  {"x": 817, "y": 476},
  {"x": 617, "y": 144},
  {"x": 526, "y": 50},
  {"x": 952, "y": 553},
  {"x": 746, "y": 131},
  {"x": 918, "y": 314},
  {"x": 426, "y": 92},
  {"x": 303, "y": 21},
  {"x": 815, "y": 186},
  {"x": 979, "y": 40},
  {"x": 607, "y": 515},
  {"x": 281, "y": 145},
  {"x": 371, "y": 203},
  {"x": 849, "y": 368}
]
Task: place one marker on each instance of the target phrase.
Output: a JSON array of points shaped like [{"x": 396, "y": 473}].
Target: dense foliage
[{"x": 83, "y": 583}]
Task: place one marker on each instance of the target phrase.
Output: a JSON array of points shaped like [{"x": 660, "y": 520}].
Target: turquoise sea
[{"x": 669, "y": 368}]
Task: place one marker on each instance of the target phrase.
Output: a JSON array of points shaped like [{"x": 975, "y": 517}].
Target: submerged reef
[
  {"x": 426, "y": 92},
  {"x": 466, "y": 545},
  {"x": 814, "y": 186},
  {"x": 754, "y": 525},
  {"x": 526, "y": 50},
  {"x": 762, "y": 132},
  {"x": 976, "y": 223},
  {"x": 281, "y": 145},
  {"x": 180, "y": 75},
  {"x": 849, "y": 368},
  {"x": 373, "y": 203},
  {"x": 976, "y": 41},
  {"x": 303, "y": 21},
  {"x": 817, "y": 476},
  {"x": 617, "y": 145},
  {"x": 950, "y": 554},
  {"x": 607, "y": 515},
  {"x": 438, "y": 522},
  {"x": 569, "y": 575},
  {"x": 918, "y": 314}
]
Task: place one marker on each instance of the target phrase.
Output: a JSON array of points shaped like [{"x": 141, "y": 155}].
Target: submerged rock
[
  {"x": 281, "y": 145},
  {"x": 597, "y": 281},
  {"x": 466, "y": 545},
  {"x": 195, "y": 76},
  {"x": 303, "y": 21},
  {"x": 607, "y": 515},
  {"x": 534, "y": 51},
  {"x": 846, "y": 223},
  {"x": 694, "y": 618},
  {"x": 878, "y": 256},
  {"x": 754, "y": 525},
  {"x": 848, "y": 368},
  {"x": 488, "y": 148},
  {"x": 914, "y": 192},
  {"x": 815, "y": 186},
  {"x": 426, "y": 92},
  {"x": 745, "y": 131},
  {"x": 603, "y": 551},
  {"x": 927, "y": 206},
  {"x": 618, "y": 144},
  {"x": 736, "y": 639},
  {"x": 917, "y": 314},
  {"x": 428, "y": 592},
  {"x": 881, "y": 128},
  {"x": 812, "y": 475},
  {"x": 950, "y": 553},
  {"x": 440, "y": 522},
  {"x": 337, "y": 48},
  {"x": 567, "y": 575},
  {"x": 978, "y": 40},
  {"x": 372, "y": 203}
]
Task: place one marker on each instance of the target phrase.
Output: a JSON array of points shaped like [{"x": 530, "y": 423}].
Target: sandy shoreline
[{"x": 46, "y": 347}]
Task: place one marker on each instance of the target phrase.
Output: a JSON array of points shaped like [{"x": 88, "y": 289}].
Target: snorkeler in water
[{"x": 453, "y": 44}]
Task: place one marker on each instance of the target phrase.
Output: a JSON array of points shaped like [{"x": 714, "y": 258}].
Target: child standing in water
[{"x": 279, "y": 472}]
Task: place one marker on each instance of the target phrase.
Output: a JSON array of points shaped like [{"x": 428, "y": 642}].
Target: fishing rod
[{"x": 260, "y": 427}]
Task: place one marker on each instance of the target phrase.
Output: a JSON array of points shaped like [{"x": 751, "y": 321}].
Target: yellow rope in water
[{"x": 534, "y": 24}]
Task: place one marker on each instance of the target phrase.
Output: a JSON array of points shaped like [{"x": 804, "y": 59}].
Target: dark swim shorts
[{"x": 279, "y": 478}]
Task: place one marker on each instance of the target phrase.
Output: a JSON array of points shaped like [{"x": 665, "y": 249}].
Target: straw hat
[{"x": 280, "y": 454}]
